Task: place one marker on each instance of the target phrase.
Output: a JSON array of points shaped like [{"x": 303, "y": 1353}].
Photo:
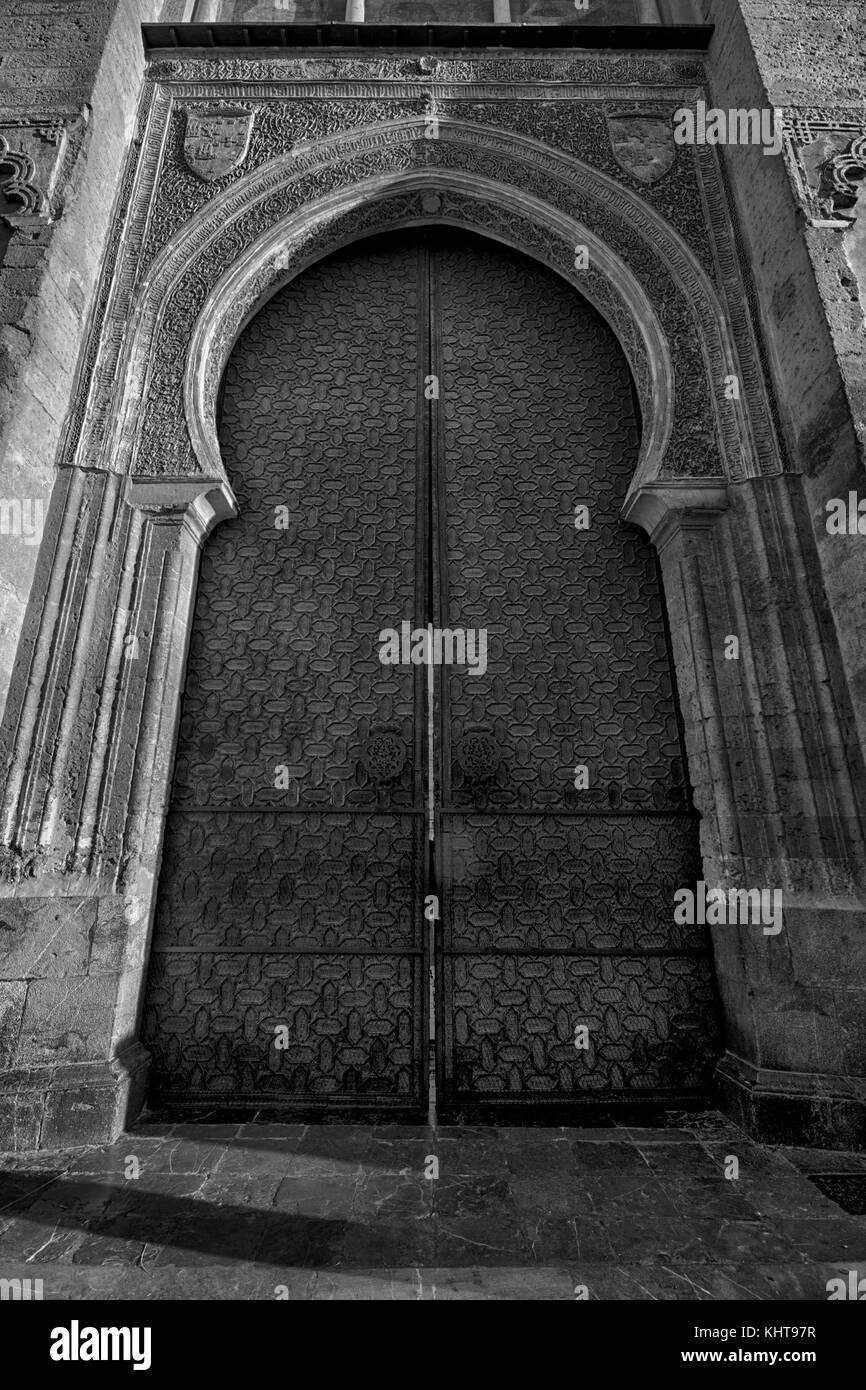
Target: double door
[{"x": 429, "y": 808}]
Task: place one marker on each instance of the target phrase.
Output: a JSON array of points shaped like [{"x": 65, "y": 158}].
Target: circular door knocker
[
  {"x": 384, "y": 755},
  {"x": 479, "y": 755}
]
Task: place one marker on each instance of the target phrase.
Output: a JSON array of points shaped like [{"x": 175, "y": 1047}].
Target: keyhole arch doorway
[{"x": 292, "y": 959}]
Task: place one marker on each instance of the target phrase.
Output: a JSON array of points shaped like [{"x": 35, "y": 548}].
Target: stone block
[
  {"x": 20, "y": 1121},
  {"x": 787, "y": 1037},
  {"x": 841, "y": 1030},
  {"x": 68, "y": 1020},
  {"x": 827, "y": 947},
  {"x": 45, "y": 937},
  {"x": 109, "y": 937},
  {"x": 86, "y": 1116}
]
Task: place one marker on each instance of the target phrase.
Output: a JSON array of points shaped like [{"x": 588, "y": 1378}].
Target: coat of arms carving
[
  {"x": 643, "y": 144},
  {"x": 216, "y": 140}
]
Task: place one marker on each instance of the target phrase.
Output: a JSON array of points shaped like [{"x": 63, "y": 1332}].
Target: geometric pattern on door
[{"x": 291, "y": 903}]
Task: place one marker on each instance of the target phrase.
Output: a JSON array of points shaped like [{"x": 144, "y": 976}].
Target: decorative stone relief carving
[
  {"x": 605, "y": 283},
  {"x": 576, "y": 126},
  {"x": 165, "y": 444},
  {"x": 843, "y": 177},
  {"x": 625, "y": 69},
  {"x": 581, "y": 128},
  {"x": 826, "y": 153},
  {"x": 292, "y": 160},
  {"x": 264, "y": 198},
  {"x": 216, "y": 140},
  {"x": 31, "y": 157},
  {"x": 643, "y": 144}
]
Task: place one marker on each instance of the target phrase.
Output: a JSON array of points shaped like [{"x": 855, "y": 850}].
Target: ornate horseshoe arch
[
  {"x": 261, "y": 271},
  {"x": 264, "y": 230}
]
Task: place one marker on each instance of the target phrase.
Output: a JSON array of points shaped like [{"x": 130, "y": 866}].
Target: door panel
[
  {"x": 300, "y": 905},
  {"x": 558, "y": 902}
]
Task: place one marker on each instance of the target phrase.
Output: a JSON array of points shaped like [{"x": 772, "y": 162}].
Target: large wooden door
[
  {"x": 287, "y": 966},
  {"x": 409, "y": 428},
  {"x": 565, "y": 824}
]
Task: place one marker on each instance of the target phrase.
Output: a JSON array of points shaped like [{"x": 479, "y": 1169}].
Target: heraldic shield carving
[
  {"x": 643, "y": 143},
  {"x": 216, "y": 140}
]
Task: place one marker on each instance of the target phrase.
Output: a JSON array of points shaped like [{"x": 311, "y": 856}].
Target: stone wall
[
  {"x": 808, "y": 268},
  {"x": 70, "y": 78},
  {"x": 809, "y": 58}
]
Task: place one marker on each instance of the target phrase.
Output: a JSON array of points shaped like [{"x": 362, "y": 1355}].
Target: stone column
[
  {"x": 93, "y": 734},
  {"x": 779, "y": 781}
]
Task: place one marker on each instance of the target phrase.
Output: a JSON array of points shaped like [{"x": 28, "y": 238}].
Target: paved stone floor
[{"x": 309, "y": 1212}]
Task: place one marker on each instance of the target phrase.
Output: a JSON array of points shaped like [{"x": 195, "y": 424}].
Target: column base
[
  {"x": 66, "y": 1106},
  {"x": 800, "y": 1108}
]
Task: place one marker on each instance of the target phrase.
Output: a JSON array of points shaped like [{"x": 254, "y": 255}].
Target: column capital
[
  {"x": 661, "y": 508},
  {"x": 199, "y": 503}
]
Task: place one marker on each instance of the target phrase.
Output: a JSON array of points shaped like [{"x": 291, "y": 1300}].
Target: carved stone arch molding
[
  {"x": 411, "y": 200},
  {"x": 92, "y": 718},
  {"x": 271, "y": 224}
]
